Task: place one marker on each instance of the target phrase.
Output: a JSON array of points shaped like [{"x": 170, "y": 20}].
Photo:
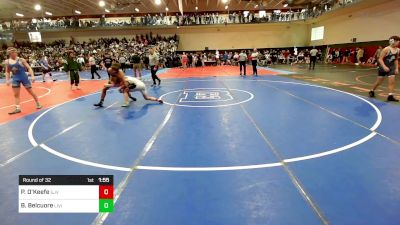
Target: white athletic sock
[
  {"x": 17, "y": 106},
  {"x": 390, "y": 93}
]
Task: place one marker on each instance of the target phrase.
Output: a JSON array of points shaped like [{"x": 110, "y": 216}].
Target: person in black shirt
[
  {"x": 136, "y": 65},
  {"x": 107, "y": 62},
  {"x": 146, "y": 62},
  {"x": 190, "y": 60},
  {"x": 388, "y": 67}
]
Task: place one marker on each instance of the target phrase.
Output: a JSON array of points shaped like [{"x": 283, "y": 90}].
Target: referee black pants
[
  {"x": 313, "y": 60},
  {"x": 254, "y": 63},
  {"x": 242, "y": 65},
  {"x": 93, "y": 70},
  {"x": 154, "y": 75}
]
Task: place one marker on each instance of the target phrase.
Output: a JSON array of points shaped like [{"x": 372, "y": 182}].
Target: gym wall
[
  {"x": 370, "y": 20},
  {"x": 372, "y": 23},
  {"x": 234, "y": 36}
]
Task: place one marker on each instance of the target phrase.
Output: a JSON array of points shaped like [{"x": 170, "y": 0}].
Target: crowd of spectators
[
  {"x": 354, "y": 55},
  {"x": 266, "y": 57},
  {"x": 123, "y": 50},
  {"x": 120, "y": 50},
  {"x": 166, "y": 19}
]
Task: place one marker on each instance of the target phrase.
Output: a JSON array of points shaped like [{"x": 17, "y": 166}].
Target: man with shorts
[
  {"x": 73, "y": 67},
  {"x": 388, "y": 67},
  {"x": 93, "y": 67},
  {"x": 46, "y": 69},
  {"x": 107, "y": 62},
  {"x": 17, "y": 67},
  {"x": 242, "y": 62},
  {"x": 137, "y": 65},
  {"x": 313, "y": 58}
]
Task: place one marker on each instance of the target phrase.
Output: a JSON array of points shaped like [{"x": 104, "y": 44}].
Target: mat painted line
[
  {"x": 209, "y": 169},
  {"x": 29, "y": 150},
  {"x": 283, "y": 72},
  {"x": 41, "y": 96},
  {"x": 101, "y": 217},
  {"x": 257, "y": 166},
  {"x": 292, "y": 176},
  {"x": 372, "y": 129},
  {"x": 67, "y": 157}
]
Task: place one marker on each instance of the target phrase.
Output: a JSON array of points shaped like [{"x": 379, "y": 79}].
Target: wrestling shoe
[
  {"x": 15, "y": 111},
  {"x": 391, "y": 98},
  {"x": 371, "y": 94},
  {"x": 100, "y": 104}
]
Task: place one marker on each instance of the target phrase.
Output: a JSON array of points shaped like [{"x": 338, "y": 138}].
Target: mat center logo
[{"x": 206, "y": 96}]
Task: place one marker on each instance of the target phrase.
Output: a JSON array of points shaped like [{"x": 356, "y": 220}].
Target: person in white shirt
[
  {"x": 81, "y": 60},
  {"x": 242, "y": 62},
  {"x": 154, "y": 63},
  {"x": 254, "y": 60},
  {"x": 93, "y": 68},
  {"x": 122, "y": 61},
  {"x": 313, "y": 58},
  {"x": 235, "y": 59}
]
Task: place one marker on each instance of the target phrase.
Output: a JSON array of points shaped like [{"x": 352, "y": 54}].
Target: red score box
[{"x": 106, "y": 192}]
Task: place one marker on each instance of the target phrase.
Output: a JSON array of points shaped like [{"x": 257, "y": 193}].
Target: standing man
[
  {"x": 377, "y": 55},
  {"x": 46, "y": 69},
  {"x": 107, "y": 62},
  {"x": 254, "y": 60},
  {"x": 81, "y": 60},
  {"x": 73, "y": 67},
  {"x": 313, "y": 58},
  {"x": 17, "y": 67},
  {"x": 153, "y": 62},
  {"x": 122, "y": 61},
  {"x": 136, "y": 65},
  {"x": 360, "y": 56},
  {"x": 388, "y": 67},
  {"x": 184, "y": 60},
  {"x": 93, "y": 68},
  {"x": 242, "y": 62}
]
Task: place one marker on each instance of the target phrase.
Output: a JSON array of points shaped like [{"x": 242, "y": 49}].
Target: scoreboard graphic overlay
[{"x": 66, "y": 193}]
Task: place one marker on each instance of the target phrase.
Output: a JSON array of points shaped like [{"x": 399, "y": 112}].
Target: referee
[
  {"x": 313, "y": 58},
  {"x": 242, "y": 62},
  {"x": 153, "y": 63}
]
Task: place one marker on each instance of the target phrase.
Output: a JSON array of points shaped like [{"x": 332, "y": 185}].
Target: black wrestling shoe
[
  {"x": 100, "y": 104},
  {"x": 391, "y": 98},
  {"x": 160, "y": 101},
  {"x": 133, "y": 98},
  {"x": 371, "y": 94}
]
